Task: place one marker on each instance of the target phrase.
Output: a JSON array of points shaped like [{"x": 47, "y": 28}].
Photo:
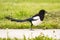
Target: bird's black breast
[{"x": 41, "y": 17}]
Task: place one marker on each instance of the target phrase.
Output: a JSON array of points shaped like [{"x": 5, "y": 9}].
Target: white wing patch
[{"x": 37, "y": 22}]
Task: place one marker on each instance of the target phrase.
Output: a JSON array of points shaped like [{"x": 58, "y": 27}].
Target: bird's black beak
[{"x": 46, "y": 12}]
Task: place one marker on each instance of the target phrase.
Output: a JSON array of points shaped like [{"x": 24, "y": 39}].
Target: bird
[{"x": 34, "y": 20}]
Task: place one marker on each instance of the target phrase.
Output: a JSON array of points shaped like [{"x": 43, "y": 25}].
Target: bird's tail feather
[{"x": 12, "y": 19}]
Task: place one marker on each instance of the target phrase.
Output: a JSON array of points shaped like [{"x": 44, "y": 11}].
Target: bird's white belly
[{"x": 37, "y": 22}]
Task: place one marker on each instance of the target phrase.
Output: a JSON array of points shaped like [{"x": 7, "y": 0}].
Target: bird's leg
[{"x": 31, "y": 26}]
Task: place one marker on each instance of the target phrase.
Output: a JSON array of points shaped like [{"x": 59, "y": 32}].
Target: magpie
[{"x": 34, "y": 20}]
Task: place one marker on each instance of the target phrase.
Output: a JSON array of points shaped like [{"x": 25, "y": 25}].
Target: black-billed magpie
[{"x": 34, "y": 20}]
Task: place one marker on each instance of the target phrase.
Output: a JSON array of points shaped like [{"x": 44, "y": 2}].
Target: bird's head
[{"x": 42, "y": 11}]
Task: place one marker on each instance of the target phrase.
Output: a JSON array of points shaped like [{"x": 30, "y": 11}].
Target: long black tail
[
  {"x": 12, "y": 19},
  {"x": 29, "y": 19}
]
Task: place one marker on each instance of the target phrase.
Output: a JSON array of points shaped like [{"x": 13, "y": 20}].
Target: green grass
[{"x": 25, "y": 9}]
